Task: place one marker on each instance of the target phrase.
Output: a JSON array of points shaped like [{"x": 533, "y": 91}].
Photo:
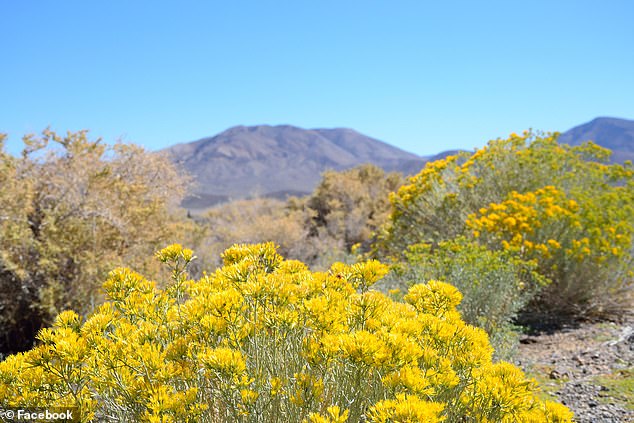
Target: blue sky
[{"x": 425, "y": 76}]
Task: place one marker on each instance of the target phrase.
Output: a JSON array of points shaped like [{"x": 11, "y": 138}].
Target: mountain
[
  {"x": 278, "y": 161},
  {"x": 615, "y": 134}
]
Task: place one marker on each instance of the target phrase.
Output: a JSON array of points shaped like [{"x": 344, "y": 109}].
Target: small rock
[{"x": 559, "y": 373}]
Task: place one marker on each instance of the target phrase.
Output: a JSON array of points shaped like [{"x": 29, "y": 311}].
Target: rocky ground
[{"x": 589, "y": 368}]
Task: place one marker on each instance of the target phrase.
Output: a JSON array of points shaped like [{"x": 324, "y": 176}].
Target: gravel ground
[{"x": 577, "y": 366}]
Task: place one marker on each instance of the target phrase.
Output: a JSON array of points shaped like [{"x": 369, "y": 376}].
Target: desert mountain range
[{"x": 278, "y": 161}]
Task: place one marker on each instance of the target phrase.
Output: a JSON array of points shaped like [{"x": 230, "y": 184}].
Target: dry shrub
[{"x": 72, "y": 208}]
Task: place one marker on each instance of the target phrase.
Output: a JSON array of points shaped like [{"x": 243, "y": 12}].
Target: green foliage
[
  {"x": 67, "y": 216},
  {"x": 561, "y": 206},
  {"x": 263, "y": 339},
  {"x": 495, "y": 285}
]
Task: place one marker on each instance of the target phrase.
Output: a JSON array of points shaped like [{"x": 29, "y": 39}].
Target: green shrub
[
  {"x": 584, "y": 249},
  {"x": 495, "y": 285}
]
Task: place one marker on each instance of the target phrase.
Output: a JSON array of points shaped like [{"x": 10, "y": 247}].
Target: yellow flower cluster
[
  {"x": 265, "y": 339},
  {"x": 545, "y": 222},
  {"x": 515, "y": 222},
  {"x": 405, "y": 408}
]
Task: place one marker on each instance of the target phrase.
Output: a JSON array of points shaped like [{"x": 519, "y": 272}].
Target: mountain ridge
[
  {"x": 261, "y": 160},
  {"x": 284, "y": 160},
  {"x": 616, "y": 134}
]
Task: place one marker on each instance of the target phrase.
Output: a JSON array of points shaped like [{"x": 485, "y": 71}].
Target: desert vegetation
[
  {"x": 265, "y": 339},
  {"x": 72, "y": 209},
  {"x": 338, "y": 219},
  {"x": 561, "y": 210},
  {"x": 397, "y": 300}
]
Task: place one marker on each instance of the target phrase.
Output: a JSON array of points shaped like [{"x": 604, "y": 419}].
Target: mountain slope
[
  {"x": 615, "y": 134},
  {"x": 267, "y": 160},
  {"x": 277, "y": 161}
]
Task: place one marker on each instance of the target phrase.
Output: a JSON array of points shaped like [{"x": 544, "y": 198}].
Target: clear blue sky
[{"x": 424, "y": 76}]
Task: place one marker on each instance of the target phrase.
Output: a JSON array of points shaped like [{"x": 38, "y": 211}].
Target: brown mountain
[
  {"x": 279, "y": 161},
  {"x": 615, "y": 134}
]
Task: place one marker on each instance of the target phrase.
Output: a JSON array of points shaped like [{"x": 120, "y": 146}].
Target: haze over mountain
[
  {"x": 279, "y": 161},
  {"x": 615, "y": 134}
]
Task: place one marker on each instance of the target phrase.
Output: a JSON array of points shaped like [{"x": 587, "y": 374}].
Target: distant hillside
[
  {"x": 615, "y": 134},
  {"x": 277, "y": 161}
]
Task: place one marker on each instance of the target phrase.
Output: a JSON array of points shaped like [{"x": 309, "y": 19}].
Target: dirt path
[{"x": 589, "y": 368}]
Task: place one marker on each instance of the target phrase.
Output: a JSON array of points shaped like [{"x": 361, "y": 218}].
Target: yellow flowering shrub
[
  {"x": 265, "y": 339},
  {"x": 583, "y": 249},
  {"x": 564, "y": 208}
]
